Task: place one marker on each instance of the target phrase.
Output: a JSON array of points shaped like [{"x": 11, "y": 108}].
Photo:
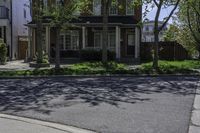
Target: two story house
[
  {"x": 148, "y": 31},
  {"x": 124, "y": 32},
  {"x": 13, "y": 15}
]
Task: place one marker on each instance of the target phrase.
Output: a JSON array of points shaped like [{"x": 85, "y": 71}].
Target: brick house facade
[{"x": 124, "y": 33}]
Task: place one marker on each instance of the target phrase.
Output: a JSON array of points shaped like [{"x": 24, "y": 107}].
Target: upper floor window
[
  {"x": 59, "y": 2},
  {"x": 114, "y": 8},
  {"x": 45, "y": 3},
  {"x": 24, "y": 13},
  {"x": 129, "y": 7},
  {"x": 97, "y": 7}
]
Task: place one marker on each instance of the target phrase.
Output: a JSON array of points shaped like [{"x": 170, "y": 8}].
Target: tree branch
[
  {"x": 190, "y": 26},
  {"x": 171, "y": 13},
  {"x": 156, "y": 3}
]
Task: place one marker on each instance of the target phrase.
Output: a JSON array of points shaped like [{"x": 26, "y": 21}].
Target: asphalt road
[{"x": 107, "y": 105}]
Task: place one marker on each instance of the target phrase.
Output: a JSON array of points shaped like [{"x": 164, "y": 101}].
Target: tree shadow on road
[{"x": 45, "y": 95}]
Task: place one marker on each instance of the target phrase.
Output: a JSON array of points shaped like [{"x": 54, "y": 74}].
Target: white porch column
[
  {"x": 47, "y": 40},
  {"x": 137, "y": 42},
  {"x": 29, "y": 43},
  {"x": 118, "y": 39},
  {"x": 34, "y": 42},
  {"x": 83, "y": 37}
]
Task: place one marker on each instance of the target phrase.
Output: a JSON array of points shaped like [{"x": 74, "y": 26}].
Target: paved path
[
  {"x": 107, "y": 105},
  {"x": 15, "y": 65},
  {"x": 14, "y": 124},
  {"x": 21, "y": 65}
]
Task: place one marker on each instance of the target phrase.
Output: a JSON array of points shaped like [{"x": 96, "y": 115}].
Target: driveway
[{"x": 107, "y": 105}]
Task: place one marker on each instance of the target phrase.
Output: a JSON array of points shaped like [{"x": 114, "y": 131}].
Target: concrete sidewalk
[
  {"x": 13, "y": 124},
  {"x": 195, "y": 117}
]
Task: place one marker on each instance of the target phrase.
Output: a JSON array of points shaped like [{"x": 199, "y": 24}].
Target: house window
[
  {"x": 24, "y": 13},
  {"x": 1, "y": 32},
  {"x": 69, "y": 40},
  {"x": 97, "y": 40},
  {"x": 129, "y": 7},
  {"x": 62, "y": 41},
  {"x": 97, "y": 7},
  {"x": 75, "y": 40},
  {"x": 112, "y": 39},
  {"x": 131, "y": 40},
  {"x": 59, "y": 2},
  {"x": 114, "y": 8},
  {"x": 45, "y": 3},
  {"x": 147, "y": 28}
]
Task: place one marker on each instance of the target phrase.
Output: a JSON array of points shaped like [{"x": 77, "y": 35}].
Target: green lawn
[
  {"x": 171, "y": 67},
  {"x": 98, "y": 68}
]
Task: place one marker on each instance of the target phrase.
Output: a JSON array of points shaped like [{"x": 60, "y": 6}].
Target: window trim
[
  {"x": 95, "y": 46},
  {"x": 129, "y": 14},
  {"x": 117, "y": 9},
  {"x": 45, "y": 3},
  {"x": 133, "y": 35},
  {"x": 71, "y": 33},
  {"x": 109, "y": 39},
  {"x": 94, "y": 12}
]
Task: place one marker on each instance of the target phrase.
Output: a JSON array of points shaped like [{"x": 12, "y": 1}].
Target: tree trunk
[
  {"x": 39, "y": 36},
  {"x": 57, "y": 59},
  {"x": 155, "y": 50},
  {"x": 105, "y": 32}
]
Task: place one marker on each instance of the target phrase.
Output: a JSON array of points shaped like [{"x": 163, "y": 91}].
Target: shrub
[
  {"x": 45, "y": 58},
  {"x": 3, "y": 52},
  {"x": 95, "y": 55}
]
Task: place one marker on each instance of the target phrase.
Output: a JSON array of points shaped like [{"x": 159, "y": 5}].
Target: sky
[{"x": 164, "y": 13}]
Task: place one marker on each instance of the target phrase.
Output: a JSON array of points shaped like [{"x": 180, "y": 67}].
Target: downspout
[{"x": 11, "y": 19}]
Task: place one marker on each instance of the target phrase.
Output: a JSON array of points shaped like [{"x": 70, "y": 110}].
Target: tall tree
[
  {"x": 159, "y": 5},
  {"x": 188, "y": 21},
  {"x": 38, "y": 8},
  {"x": 105, "y": 6},
  {"x": 193, "y": 19},
  {"x": 61, "y": 14}
]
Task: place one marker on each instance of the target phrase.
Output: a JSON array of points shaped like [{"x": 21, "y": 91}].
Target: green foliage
[
  {"x": 171, "y": 33},
  {"x": 171, "y": 67},
  {"x": 3, "y": 52},
  {"x": 94, "y": 55},
  {"x": 99, "y": 68},
  {"x": 188, "y": 22},
  {"x": 44, "y": 60}
]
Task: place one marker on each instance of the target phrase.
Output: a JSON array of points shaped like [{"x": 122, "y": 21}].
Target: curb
[
  {"x": 194, "y": 125},
  {"x": 98, "y": 76},
  {"x": 56, "y": 126}
]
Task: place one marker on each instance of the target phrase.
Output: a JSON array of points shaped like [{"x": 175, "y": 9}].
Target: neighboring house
[
  {"x": 148, "y": 31},
  {"x": 13, "y": 15},
  {"x": 124, "y": 34}
]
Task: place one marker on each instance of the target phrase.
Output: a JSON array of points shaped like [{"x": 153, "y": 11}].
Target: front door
[
  {"x": 130, "y": 44},
  {"x": 23, "y": 46}
]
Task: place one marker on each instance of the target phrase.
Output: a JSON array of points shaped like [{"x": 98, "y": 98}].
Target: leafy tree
[
  {"x": 159, "y": 5},
  {"x": 189, "y": 18},
  {"x": 38, "y": 8},
  {"x": 3, "y": 52},
  {"x": 61, "y": 15},
  {"x": 105, "y": 6},
  {"x": 171, "y": 33}
]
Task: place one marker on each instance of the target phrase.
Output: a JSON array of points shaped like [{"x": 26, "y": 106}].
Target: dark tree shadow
[{"x": 44, "y": 95}]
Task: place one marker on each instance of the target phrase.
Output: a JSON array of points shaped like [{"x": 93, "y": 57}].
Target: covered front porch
[{"x": 123, "y": 40}]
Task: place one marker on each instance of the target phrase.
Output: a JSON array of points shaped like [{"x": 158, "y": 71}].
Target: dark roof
[{"x": 98, "y": 19}]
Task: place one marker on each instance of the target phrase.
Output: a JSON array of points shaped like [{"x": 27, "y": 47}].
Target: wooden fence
[{"x": 167, "y": 51}]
